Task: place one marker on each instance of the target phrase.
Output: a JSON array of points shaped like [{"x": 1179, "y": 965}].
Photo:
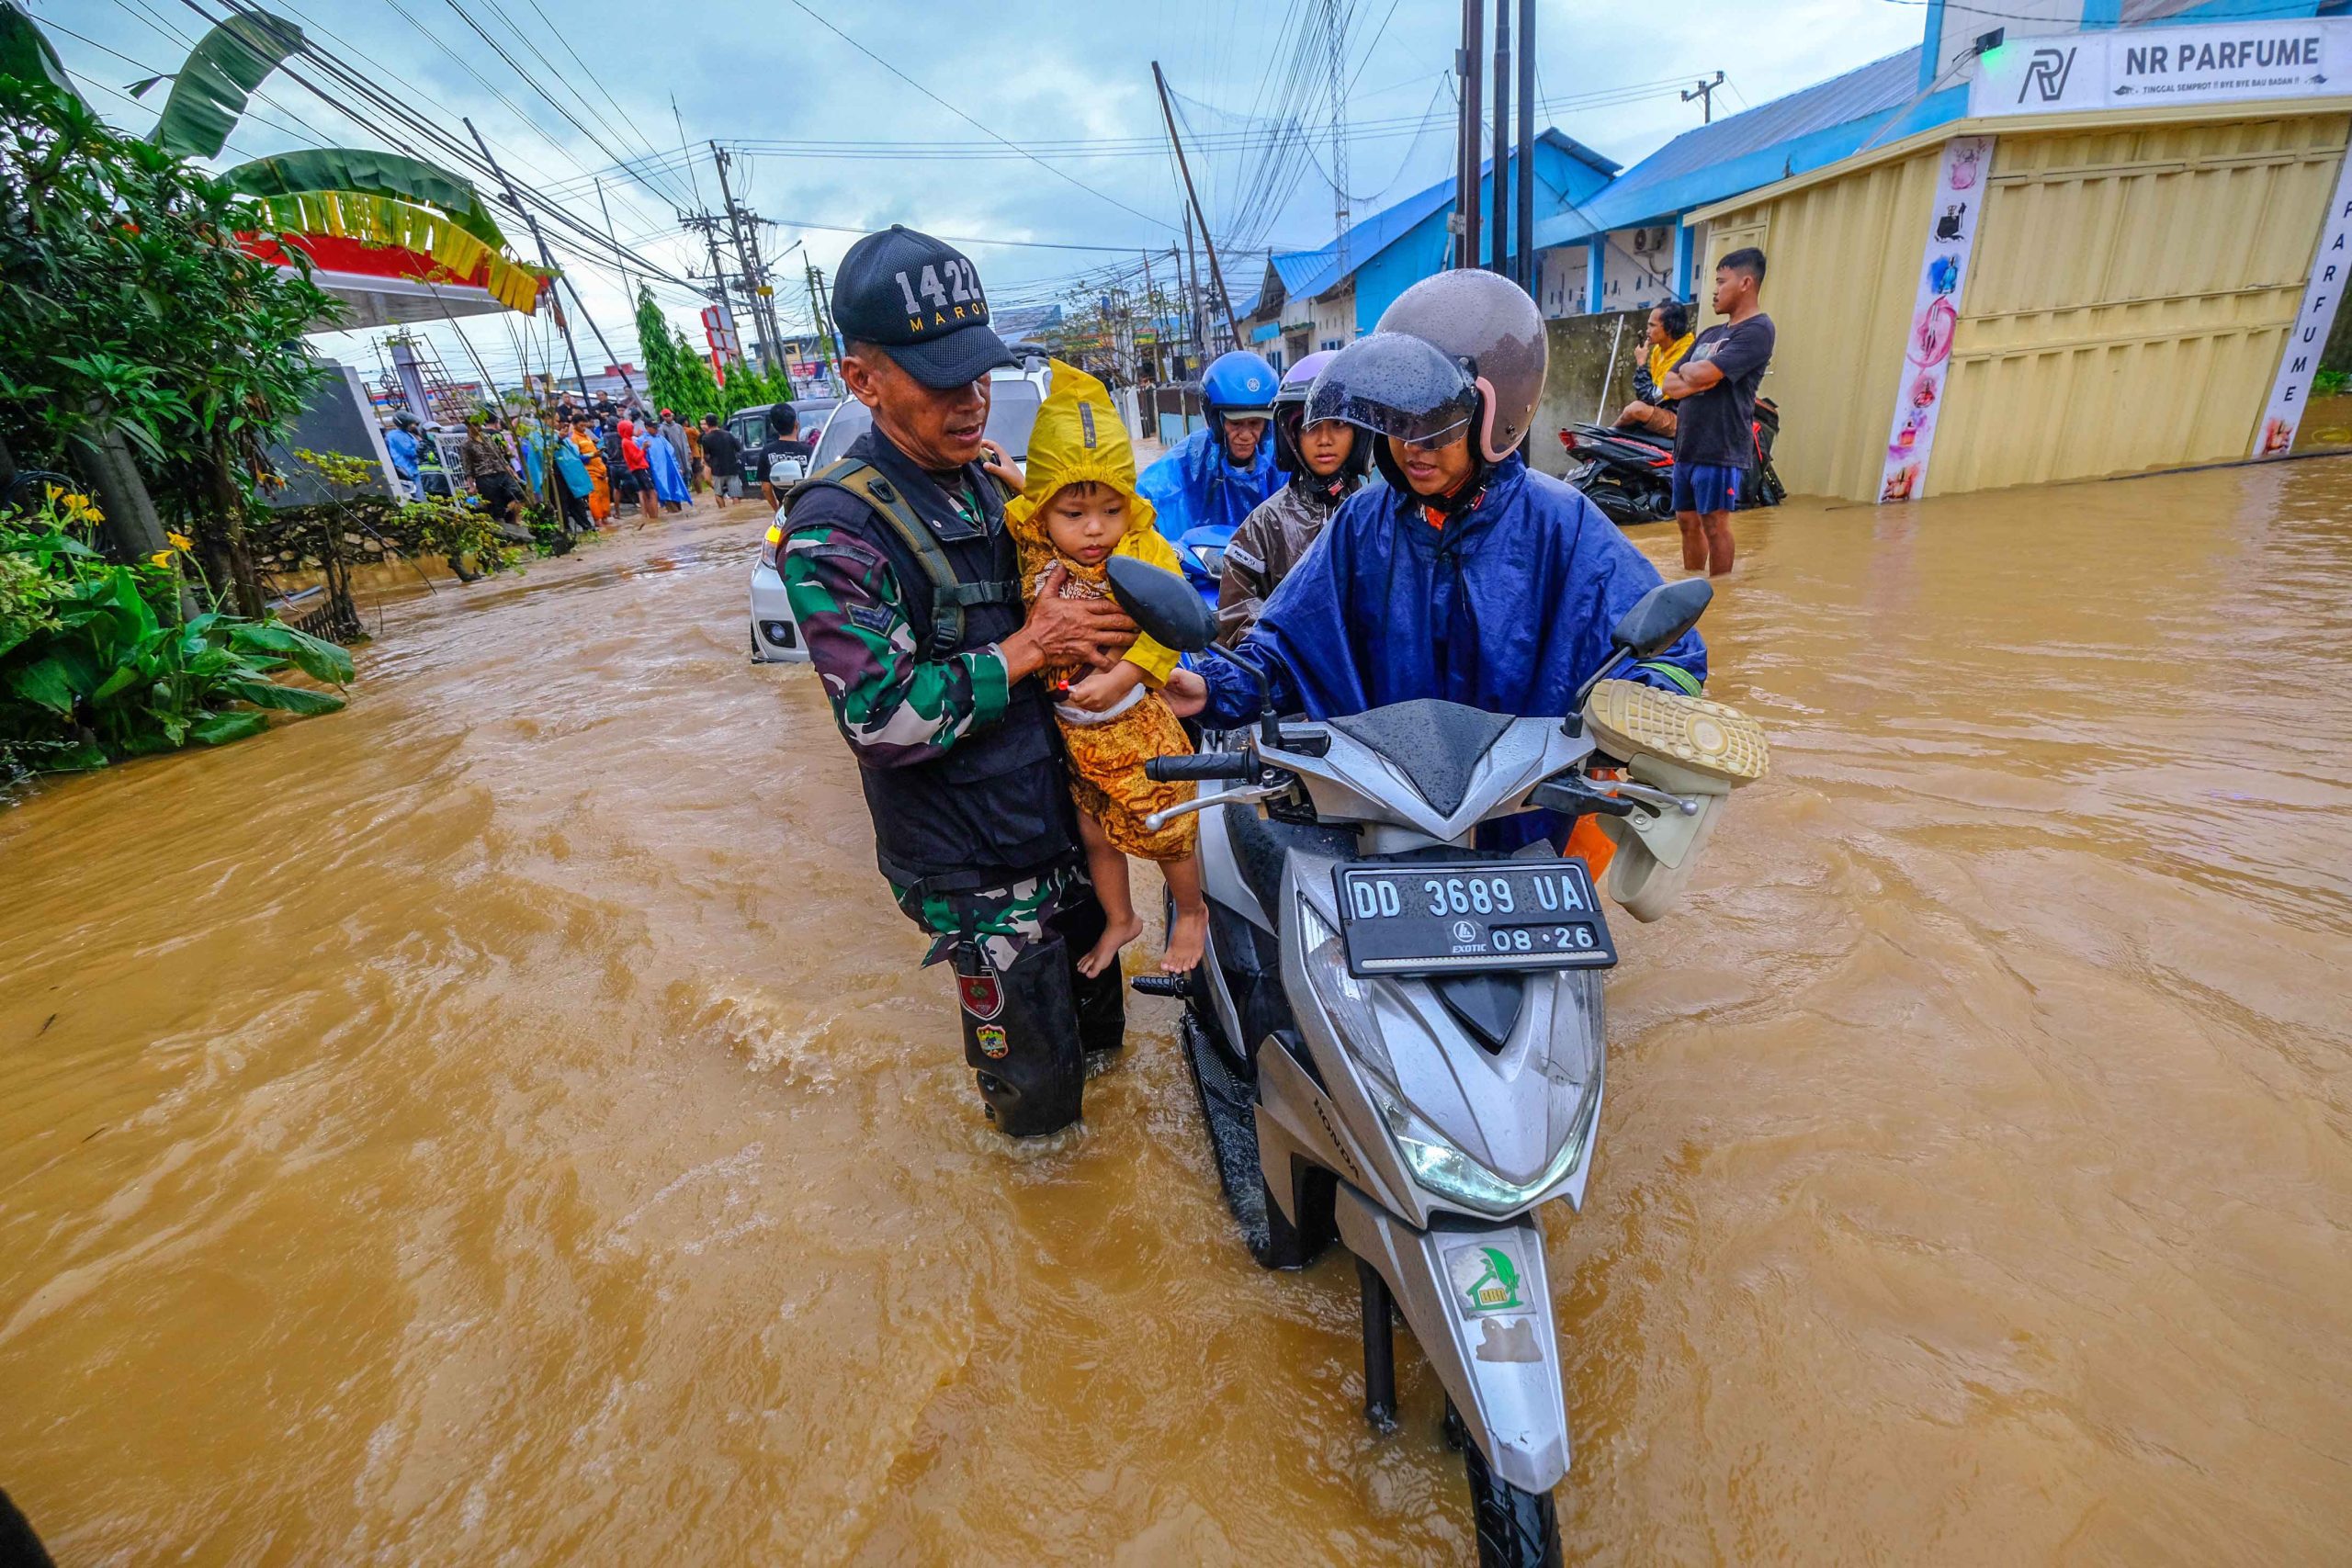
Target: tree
[{"x": 128, "y": 309}]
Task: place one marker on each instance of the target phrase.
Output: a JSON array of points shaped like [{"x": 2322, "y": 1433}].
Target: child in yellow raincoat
[{"x": 1079, "y": 509}]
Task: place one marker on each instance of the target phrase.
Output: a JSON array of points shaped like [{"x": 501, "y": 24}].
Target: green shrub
[{"x": 93, "y": 669}]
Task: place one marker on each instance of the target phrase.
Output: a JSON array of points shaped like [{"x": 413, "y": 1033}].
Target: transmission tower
[{"x": 1335, "y": 34}]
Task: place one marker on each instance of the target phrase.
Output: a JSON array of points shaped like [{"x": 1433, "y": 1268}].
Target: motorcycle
[
  {"x": 1629, "y": 473},
  {"x": 1396, "y": 1037},
  {"x": 1201, "y": 552}
]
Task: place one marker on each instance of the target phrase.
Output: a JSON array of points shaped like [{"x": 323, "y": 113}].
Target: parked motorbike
[
  {"x": 1201, "y": 552},
  {"x": 1396, "y": 1037},
  {"x": 1629, "y": 473}
]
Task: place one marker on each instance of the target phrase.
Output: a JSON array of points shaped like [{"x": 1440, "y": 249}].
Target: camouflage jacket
[
  {"x": 961, "y": 768},
  {"x": 895, "y": 706}
]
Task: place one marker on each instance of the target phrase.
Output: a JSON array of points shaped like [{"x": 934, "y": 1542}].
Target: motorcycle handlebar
[{"x": 1203, "y": 765}]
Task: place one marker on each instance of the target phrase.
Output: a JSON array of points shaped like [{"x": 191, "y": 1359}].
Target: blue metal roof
[
  {"x": 1305, "y": 274},
  {"x": 1807, "y": 128}
]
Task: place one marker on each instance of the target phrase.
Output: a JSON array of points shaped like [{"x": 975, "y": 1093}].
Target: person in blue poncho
[
  {"x": 669, "y": 478},
  {"x": 1470, "y": 578},
  {"x": 1204, "y": 485}
]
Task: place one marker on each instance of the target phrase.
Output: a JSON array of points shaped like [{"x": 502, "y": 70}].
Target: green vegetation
[
  {"x": 678, "y": 376},
  {"x": 95, "y": 665}
]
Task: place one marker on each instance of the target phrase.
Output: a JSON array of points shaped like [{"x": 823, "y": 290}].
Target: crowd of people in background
[{"x": 586, "y": 461}]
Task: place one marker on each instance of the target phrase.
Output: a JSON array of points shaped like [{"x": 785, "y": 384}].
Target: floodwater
[{"x": 504, "y": 1123}]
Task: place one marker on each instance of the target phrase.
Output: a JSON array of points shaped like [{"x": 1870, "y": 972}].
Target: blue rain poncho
[
  {"x": 669, "y": 479},
  {"x": 1507, "y": 608},
  {"x": 1192, "y": 486}
]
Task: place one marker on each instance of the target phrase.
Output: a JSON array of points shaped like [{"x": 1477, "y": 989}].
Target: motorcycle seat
[{"x": 1260, "y": 846}]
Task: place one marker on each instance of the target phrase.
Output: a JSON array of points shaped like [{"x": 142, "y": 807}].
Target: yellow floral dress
[{"x": 1078, "y": 439}]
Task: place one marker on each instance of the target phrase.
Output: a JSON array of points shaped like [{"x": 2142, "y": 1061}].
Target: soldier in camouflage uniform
[{"x": 903, "y": 579}]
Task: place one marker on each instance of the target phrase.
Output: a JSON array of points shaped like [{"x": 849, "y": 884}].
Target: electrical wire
[{"x": 943, "y": 103}]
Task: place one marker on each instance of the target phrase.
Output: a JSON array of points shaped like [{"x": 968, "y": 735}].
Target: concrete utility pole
[
  {"x": 762, "y": 314},
  {"x": 1193, "y": 294},
  {"x": 1706, "y": 93},
  {"x": 1151, "y": 315},
  {"x": 545, "y": 260},
  {"x": 821, "y": 306},
  {"x": 1466, "y": 63},
  {"x": 1217, "y": 276},
  {"x": 707, "y": 227},
  {"x": 1526, "y": 272},
  {"x": 1500, "y": 203}
]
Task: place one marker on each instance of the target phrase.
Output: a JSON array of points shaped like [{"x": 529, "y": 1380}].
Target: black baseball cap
[{"x": 921, "y": 299}]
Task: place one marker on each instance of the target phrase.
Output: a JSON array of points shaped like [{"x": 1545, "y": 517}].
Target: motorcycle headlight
[
  {"x": 1347, "y": 998},
  {"x": 1443, "y": 1169},
  {"x": 1436, "y": 1164}
]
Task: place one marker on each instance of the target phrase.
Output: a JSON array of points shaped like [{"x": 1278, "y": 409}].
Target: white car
[{"x": 1014, "y": 397}]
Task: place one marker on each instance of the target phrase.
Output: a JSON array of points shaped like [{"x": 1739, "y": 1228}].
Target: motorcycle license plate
[{"x": 1429, "y": 917}]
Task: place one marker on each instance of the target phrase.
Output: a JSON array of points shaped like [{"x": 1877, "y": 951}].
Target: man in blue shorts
[{"x": 1715, "y": 440}]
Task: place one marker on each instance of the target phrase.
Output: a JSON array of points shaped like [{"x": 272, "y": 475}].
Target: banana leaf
[
  {"x": 374, "y": 172},
  {"x": 24, "y": 52},
  {"x": 209, "y": 93}
]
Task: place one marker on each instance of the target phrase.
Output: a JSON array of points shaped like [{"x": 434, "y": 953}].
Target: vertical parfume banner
[
  {"x": 2307, "y": 335},
  {"x": 1959, "y": 204}
]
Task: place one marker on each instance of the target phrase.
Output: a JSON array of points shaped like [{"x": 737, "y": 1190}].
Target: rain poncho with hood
[
  {"x": 1507, "y": 608},
  {"x": 1192, "y": 486},
  {"x": 1078, "y": 439},
  {"x": 669, "y": 478}
]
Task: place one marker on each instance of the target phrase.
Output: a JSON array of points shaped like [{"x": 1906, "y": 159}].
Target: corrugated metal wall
[
  {"x": 1843, "y": 265},
  {"x": 2128, "y": 298}
]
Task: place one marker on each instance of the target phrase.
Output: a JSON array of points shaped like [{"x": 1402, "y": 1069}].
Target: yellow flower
[
  {"x": 161, "y": 557},
  {"x": 181, "y": 542},
  {"x": 53, "y": 492}
]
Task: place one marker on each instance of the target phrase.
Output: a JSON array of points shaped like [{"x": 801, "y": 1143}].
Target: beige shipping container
[{"x": 2124, "y": 308}]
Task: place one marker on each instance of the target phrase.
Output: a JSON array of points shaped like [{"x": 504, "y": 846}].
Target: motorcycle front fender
[{"x": 1478, "y": 1301}]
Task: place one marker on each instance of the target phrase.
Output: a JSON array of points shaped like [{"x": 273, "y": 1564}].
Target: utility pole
[
  {"x": 1706, "y": 93},
  {"x": 1192, "y": 295},
  {"x": 1335, "y": 32},
  {"x": 1216, "y": 275},
  {"x": 761, "y": 316},
  {"x": 1499, "y": 204},
  {"x": 545, "y": 260},
  {"x": 1526, "y": 272},
  {"x": 707, "y": 226},
  {"x": 821, "y": 306},
  {"x": 1473, "y": 49},
  {"x": 1151, "y": 316}
]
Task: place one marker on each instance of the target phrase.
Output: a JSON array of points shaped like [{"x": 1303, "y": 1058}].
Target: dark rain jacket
[
  {"x": 1507, "y": 608},
  {"x": 1269, "y": 542},
  {"x": 1192, "y": 486}
]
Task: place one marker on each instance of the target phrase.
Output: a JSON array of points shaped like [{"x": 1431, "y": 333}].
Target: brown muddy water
[{"x": 503, "y": 1122}]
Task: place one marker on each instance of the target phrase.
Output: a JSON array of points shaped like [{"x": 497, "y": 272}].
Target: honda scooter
[{"x": 1396, "y": 1036}]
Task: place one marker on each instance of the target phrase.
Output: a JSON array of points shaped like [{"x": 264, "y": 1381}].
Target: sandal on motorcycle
[{"x": 1712, "y": 741}]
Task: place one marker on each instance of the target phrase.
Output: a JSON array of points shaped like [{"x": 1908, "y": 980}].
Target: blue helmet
[{"x": 1239, "y": 385}]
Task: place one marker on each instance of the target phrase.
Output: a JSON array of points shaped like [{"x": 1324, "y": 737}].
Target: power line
[{"x": 943, "y": 103}]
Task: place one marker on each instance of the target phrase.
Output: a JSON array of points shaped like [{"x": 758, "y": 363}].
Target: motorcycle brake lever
[{"x": 1575, "y": 796}]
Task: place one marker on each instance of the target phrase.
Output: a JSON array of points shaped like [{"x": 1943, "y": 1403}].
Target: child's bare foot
[
  {"x": 1186, "y": 939},
  {"x": 1115, "y": 935}
]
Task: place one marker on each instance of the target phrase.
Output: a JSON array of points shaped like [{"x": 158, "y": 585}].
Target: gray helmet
[{"x": 1488, "y": 324}]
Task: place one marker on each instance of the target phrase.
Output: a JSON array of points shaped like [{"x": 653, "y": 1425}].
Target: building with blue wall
[{"x": 1331, "y": 296}]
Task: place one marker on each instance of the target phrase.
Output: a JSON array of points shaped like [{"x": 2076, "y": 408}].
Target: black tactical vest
[{"x": 994, "y": 807}]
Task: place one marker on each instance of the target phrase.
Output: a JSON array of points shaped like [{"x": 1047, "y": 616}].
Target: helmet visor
[{"x": 1395, "y": 385}]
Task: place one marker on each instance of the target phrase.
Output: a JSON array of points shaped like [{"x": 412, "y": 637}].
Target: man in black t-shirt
[
  {"x": 724, "y": 453},
  {"x": 1715, "y": 440},
  {"x": 784, "y": 441}
]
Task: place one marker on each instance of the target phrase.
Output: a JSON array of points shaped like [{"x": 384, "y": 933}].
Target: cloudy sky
[{"x": 1028, "y": 129}]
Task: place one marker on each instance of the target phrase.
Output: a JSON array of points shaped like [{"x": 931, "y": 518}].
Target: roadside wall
[{"x": 1580, "y": 362}]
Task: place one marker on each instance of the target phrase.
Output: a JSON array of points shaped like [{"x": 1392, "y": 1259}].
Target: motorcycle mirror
[
  {"x": 1658, "y": 620},
  {"x": 1168, "y": 609}
]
